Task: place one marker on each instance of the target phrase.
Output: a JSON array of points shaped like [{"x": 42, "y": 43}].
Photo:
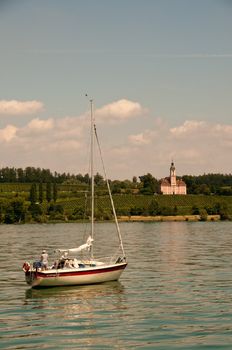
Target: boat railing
[{"x": 108, "y": 260}]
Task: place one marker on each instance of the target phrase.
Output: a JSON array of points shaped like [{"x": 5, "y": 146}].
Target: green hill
[{"x": 71, "y": 201}]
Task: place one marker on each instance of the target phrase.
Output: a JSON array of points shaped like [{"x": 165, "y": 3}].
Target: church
[{"x": 172, "y": 185}]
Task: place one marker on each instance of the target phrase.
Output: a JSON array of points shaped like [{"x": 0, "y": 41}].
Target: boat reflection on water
[
  {"x": 71, "y": 314},
  {"x": 76, "y": 292}
]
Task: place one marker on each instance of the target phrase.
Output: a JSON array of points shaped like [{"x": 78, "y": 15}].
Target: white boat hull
[{"x": 74, "y": 276}]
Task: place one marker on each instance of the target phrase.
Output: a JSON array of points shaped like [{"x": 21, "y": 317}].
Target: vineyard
[
  {"x": 73, "y": 199},
  {"x": 25, "y": 187},
  {"x": 124, "y": 203}
]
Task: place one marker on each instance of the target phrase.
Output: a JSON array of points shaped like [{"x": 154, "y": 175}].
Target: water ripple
[{"x": 176, "y": 292}]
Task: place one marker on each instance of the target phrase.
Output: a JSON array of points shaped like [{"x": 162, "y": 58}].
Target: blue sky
[{"x": 160, "y": 73}]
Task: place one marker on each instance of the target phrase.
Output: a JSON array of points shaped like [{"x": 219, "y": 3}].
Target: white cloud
[
  {"x": 144, "y": 138},
  {"x": 225, "y": 129},
  {"x": 8, "y": 133},
  {"x": 188, "y": 127},
  {"x": 197, "y": 147},
  {"x": 70, "y": 126},
  {"x": 119, "y": 111},
  {"x": 39, "y": 125},
  {"x": 63, "y": 144},
  {"x": 14, "y": 107}
]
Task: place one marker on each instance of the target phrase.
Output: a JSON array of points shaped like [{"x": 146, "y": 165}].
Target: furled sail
[{"x": 84, "y": 246}]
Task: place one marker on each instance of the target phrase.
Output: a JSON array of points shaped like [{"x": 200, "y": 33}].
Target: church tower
[
  {"x": 172, "y": 174},
  {"x": 172, "y": 185}
]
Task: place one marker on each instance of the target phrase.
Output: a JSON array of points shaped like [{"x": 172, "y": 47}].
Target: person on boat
[
  {"x": 44, "y": 260},
  {"x": 62, "y": 260},
  {"x": 64, "y": 256},
  {"x": 68, "y": 264}
]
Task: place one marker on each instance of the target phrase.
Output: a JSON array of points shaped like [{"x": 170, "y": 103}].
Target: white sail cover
[{"x": 84, "y": 246}]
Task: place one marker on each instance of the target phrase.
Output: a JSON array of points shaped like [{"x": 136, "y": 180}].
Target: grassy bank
[{"x": 159, "y": 218}]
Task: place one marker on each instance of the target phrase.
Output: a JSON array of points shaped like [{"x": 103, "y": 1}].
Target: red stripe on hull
[{"x": 79, "y": 273}]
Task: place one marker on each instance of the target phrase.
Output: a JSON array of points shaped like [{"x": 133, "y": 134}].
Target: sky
[{"x": 159, "y": 72}]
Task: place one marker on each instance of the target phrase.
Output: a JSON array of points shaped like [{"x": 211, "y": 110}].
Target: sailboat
[{"x": 69, "y": 269}]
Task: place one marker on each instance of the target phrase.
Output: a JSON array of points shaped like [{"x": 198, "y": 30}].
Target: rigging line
[
  {"x": 86, "y": 199},
  {"x": 108, "y": 187},
  {"x": 92, "y": 175}
]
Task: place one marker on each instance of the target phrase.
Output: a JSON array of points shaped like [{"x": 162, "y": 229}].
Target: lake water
[{"x": 176, "y": 292}]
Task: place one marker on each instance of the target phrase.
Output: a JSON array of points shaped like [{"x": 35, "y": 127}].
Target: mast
[{"x": 92, "y": 173}]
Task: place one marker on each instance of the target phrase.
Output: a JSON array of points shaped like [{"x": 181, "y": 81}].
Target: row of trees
[
  {"x": 20, "y": 211},
  {"x": 209, "y": 184},
  {"x": 37, "y": 193},
  {"x": 31, "y": 174},
  {"x": 155, "y": 209},
  {"x": 147, "y": 184}
]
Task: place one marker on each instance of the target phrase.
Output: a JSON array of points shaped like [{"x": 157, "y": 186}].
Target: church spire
[{"x": 172, "y": 174}]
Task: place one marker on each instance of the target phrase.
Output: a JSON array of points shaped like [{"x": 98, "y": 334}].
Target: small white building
[{"x": 172, "y": 185}]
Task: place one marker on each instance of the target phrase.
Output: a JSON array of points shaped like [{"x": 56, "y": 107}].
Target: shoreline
[
  {"x": 132, "y": 218},
  {"x": 138, "y": 218}
]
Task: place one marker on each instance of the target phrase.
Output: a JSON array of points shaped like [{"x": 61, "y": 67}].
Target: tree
[
  {"x": 15, "y": 212},
  {"x": 41, "y": 192},
  {"x": 134, "y": 180},
  {"x": 56, "y": 209},
  {"x": 20, "y": 175},
  {"x": 149, "y": 184},
  {"x": 2, "y": 212},
  {"x": 9, "y": 215},
  {"x": 78, "y": 213},
  {"x": 35, "y": 210},
  {"x": 48, "y": 192},
  {"x": 195, "y": 210},
  {"x": 55, "y": 192},
  {"x": 204, "y": 189},
  {"x": 56, "y": 212},
  {"x": 19, "y": 210},
  {"x": 222, "y": 210},
  {"x": 116, "y": 186},
  {"x": 80, "y": 177},
  {"x": 203, "y": 215},
  {"x": 98, "y": 180},
  {"x": 33, "y": 194},
  {"x": 86, "y": 179},
  {"x": 153, "y": 208}
]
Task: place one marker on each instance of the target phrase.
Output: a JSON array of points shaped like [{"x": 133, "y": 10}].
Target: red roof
[{"x": 166, "y": 182}]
